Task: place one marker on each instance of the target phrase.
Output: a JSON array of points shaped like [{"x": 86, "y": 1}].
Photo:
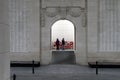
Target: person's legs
[
  {"x": 62, "y": 47},
  {"x": 57, "y": 47}
]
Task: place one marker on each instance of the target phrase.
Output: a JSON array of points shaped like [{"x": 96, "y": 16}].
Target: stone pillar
[
  {"x": 4, "y": 41},
  {"x": 92, "y": 31}
]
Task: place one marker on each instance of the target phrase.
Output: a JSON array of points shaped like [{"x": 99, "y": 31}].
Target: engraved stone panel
[
  {"x": 24, "y": 25},
  {"x": 109, "y": 29}
]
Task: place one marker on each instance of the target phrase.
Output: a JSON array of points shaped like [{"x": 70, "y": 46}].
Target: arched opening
[{"x": 63, "y": 29}]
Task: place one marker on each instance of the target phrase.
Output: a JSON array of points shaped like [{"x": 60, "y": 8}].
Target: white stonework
[
  {"x": 24, "y": 30},
  {"x": 109, "y": 25},
  {"x": 92, "y": 24},
  {"x": 96, "y": 25},
  {"x": 64, "y": 11},
  {"x": 103, "y": 31},
  {"x": 4, "y": 41}
]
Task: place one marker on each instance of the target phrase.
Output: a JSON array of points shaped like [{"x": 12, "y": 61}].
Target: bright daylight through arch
[{"x": 63, "y": 29}]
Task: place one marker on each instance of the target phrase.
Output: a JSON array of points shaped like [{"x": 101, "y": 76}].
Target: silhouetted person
[
  {"x": 57, "y": 44},
  {"x": 63, "y": 43}
]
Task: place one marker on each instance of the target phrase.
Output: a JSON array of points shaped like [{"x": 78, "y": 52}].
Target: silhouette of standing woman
[
  {"x": 57, "y": 44},
  {"x": 63, "y": 43}
]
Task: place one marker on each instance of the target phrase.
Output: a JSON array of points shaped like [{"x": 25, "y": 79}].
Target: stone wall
[
  {"x": 24, "y": 29},
  {"x": 109, "y": 27},
  {"x": 96, "y": 28},
  {"x": 103, "y": 30},
  {"x": 4, "y": 41},
  {"x": 67, "y": 10}
]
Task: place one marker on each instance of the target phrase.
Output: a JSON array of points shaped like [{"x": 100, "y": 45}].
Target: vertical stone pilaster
[
  {"x": 92, "y": 26},
  {"x": 4, "y": 41}
]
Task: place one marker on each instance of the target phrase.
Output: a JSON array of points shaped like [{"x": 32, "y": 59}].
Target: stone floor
[{"x": 65, "y": 72}]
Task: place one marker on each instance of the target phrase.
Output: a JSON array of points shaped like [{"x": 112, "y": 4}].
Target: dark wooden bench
[
  {"x": 24, "y": 63},
  {"x": 104, "y": 64}
]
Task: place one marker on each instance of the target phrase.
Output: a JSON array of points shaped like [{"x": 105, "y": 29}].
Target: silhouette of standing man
[
  {"x": 57, "y": 44},
  {"x": 63, "y": 43}
]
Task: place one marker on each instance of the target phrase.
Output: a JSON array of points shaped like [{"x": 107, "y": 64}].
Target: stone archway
[
  {"x": 63, "y": 29},
  {"x": 74, "y": 14}
]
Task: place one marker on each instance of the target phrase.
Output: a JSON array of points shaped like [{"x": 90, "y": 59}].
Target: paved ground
[{"x": 66, "y": 72}]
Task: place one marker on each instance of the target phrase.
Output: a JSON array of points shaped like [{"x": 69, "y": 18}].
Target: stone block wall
[
  {"x": 103, "y": 30},
  {"x": 24, "y": 29},
  {"x": 4, "y": 41},
  {"x": 99, "y": 40}
]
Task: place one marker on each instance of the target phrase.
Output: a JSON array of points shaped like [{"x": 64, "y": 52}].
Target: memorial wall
[
  {"x": 24, "y": 29},
  {"x": 109, "y": 25},
  {"x": 4, "y": 41},
  {"x": 96, "y": 22},
  {"x": 103, "y": 31}
]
